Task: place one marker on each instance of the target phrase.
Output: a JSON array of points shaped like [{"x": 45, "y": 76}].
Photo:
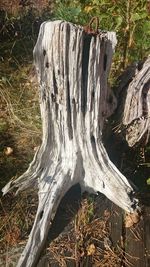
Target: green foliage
[
  {"x": 70, "y": 13},
  {"x": 130, "y": 19}
]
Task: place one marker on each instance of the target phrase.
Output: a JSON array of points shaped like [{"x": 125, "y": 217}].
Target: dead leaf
[
  {"x": 131, "y": 219},
  {"x": 8, "y": 151},
  {"x": 91, "y": 249}
]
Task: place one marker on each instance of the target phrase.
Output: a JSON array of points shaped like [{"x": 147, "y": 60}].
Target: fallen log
[{"x": 72, "y": 67}]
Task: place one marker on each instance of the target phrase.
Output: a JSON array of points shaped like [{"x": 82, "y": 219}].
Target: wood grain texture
[
  {"x": 72, "y": 68},
  {"x": 134, "y": 98}
]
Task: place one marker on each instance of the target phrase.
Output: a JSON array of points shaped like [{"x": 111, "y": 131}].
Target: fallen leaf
[
  {"x": 131, "y": 219},
  {"x": 8, "y": 151},
  {"x": 91, "y": 249}
]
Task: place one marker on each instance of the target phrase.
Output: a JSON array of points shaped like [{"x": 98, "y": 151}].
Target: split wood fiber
[{"x": 136, "y": 115}]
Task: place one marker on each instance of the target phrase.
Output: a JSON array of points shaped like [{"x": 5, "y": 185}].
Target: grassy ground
[{"x": 20, "y": 134}]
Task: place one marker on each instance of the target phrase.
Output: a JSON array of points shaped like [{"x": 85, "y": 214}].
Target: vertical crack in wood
[
  {"x": 85, "y": 64},
  {"x": 69, "y": 111},
  {"x": 54, "y": 96}
]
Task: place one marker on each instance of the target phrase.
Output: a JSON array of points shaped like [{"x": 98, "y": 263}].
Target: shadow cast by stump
[{"x": 65, "y": 212}]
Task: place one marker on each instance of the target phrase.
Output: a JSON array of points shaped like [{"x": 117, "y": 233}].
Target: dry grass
[
  {"x": 20, "y": 124},
  {"x": 20, "y": 130},
  {"x": 16, "y": 220}
]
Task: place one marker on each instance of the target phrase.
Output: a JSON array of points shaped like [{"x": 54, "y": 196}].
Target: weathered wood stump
[
  {"x": 72, "y": 67},
  {"x": 135, "y": 104}
]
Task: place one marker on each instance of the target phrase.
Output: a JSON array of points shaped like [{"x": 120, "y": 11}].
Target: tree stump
[
  {"x": 72, "y": 67},
  {"x": 135, "y": 104}
]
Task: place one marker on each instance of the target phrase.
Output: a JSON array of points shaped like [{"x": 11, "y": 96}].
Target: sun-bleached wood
[
  {"x": 136, "y": 115},
  {"x": 75, "y": 100}
]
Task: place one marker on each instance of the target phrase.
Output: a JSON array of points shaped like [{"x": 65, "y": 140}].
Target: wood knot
[
  {"x": 47, "y": 65},
  {"x": 44, "y": 52},
  {"x": 53, "y": 97}
]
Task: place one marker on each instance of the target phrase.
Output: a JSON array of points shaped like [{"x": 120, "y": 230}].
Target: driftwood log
[
  {"x": 72, "y": 67},
  {"x": 134, "y": 107}
]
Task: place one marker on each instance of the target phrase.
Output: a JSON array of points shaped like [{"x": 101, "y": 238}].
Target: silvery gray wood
[
  {"x": 75, "y": 100},
  {"x": 136, "y": 116},
  {"x": 134, "y": 103}
]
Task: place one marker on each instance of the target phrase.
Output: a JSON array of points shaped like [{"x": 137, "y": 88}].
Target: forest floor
[{"x": 20, "y": 134}]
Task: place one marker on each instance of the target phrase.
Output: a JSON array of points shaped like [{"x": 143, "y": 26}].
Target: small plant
[{"x": 130, "y": 20}]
